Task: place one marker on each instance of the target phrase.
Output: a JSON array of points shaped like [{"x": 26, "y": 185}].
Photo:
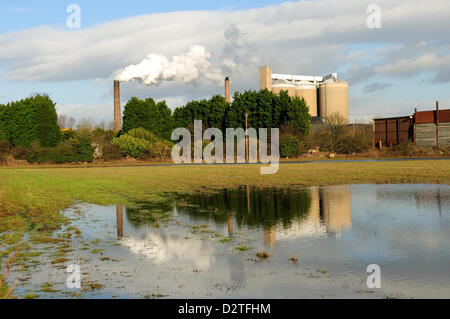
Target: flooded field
[{"x": 256, "y": 242}]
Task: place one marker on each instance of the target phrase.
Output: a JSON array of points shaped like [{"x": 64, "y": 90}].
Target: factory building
[{"x": 324, "y": 95}]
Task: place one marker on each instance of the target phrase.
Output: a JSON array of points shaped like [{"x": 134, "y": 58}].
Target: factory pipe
[
  {"x": 227, "y": 90},
  {"x": 117, "y": 112}
]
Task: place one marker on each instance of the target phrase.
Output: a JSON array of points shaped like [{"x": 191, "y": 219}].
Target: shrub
[
  {"x": 67, "y": 135},
  {"x": 38, "y": 154},
  {"x": 405, "y": 149},
  {"x": 143, "y": 134},
  {"x": 289, "y": 146},
  {"x": 131, "y": 145},
  {"x": 111, "y": 152},
  {"x": 103, "y": 139},
  {"x": 160, "y": 149},
  {"x": 301, "y": 148},
  {"x": 5, "y": 150},
  {"x": 352, "y": 143},
  {"x": 75, "y": 150},
  {"x": 21, "y": 152}
]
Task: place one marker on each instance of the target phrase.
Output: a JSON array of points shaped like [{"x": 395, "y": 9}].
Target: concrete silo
[
  {"x": 333, "y": 98},
  {"x": 283, "y": 85},
  {"x": 308, "y": 91}
]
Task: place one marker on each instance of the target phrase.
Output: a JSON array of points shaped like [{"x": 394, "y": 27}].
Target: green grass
[
  {"x": 30, "y": 198},
  {"x": 52, "y": 189}
]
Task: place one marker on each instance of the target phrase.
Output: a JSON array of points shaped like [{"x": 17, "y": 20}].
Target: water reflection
[
  {"x": 403, "y": 228},
  {"x": 119, "y": 217},
  {"x": 283, "y": 213}
]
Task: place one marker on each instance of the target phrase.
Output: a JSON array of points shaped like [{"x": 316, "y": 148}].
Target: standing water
[{"x": 263, "y": 243}]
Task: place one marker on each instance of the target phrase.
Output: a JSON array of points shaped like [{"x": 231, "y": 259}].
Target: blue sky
[
  {"x": 391, "y": 70},
  {"x": 18, "y": 15}
]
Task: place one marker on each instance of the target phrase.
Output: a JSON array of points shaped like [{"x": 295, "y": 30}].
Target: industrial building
[{"x": 324, "y": 95}]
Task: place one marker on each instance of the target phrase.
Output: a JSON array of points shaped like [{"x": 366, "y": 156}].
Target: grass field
[
  {"x": 31, "y": 198},
  {"x": 52, "y": 189}
]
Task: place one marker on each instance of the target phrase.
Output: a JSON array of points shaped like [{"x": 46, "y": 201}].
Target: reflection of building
[
  {"x": 330, "y": 213},
  {"x": 336, "y": 208},
  {"x": 269, "y": 237}
]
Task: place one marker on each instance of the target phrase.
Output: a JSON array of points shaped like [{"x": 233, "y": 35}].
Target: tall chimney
[
  {"x": 265, "y": 78},
  {"x": 117, "y": 112},
  {"x": 227, "y": 90}
]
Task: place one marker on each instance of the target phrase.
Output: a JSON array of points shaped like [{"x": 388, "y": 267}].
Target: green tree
[
  {"x": 297, "y": 115},
  {"x": 34, "y": 118},
  {"x": 47, "y": 130},
  {"x": 165, "y": 120},
  {"x": 154, "y": 117},
  {"x": 137, "y": 113},
  {"x": 217, "y": 111},
  {"x": 3, "y": 122}
]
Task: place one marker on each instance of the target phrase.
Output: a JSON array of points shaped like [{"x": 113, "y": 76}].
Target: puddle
[{"x": 317, "y": 242}]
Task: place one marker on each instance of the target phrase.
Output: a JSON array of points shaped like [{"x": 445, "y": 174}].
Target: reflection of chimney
[
  {"x": 117, "y": 112},
  {"x": 269, "y": 236},
  {"x": 227, "y": 90},
  {"x": 119, "y": 215},
  {"x": 230, "y": 225}
]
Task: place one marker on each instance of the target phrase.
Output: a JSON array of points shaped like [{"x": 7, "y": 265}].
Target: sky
[{"x": 403, "y": 64}]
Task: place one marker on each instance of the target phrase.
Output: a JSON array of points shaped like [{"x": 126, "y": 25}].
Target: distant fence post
[{"x": 373, "y": 133}]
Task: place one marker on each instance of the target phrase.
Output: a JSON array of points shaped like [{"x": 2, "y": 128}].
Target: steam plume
[{"x": 188, "y": 68}]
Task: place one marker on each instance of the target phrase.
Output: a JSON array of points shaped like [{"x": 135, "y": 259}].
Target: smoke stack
[
  {"x": 117, "y": 112},
  {"x": 227, "y": 90},
  {"x": 265, "y": 78}
]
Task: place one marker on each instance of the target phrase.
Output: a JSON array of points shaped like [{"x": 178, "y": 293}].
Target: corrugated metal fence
[
  {"x": 424, "y": 128},
  {"x": 432, "y": 127}
]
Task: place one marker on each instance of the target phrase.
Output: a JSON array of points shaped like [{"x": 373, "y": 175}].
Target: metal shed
[
  {"x": 423, "y": 128},
  {"x": 393, "y": 130}
]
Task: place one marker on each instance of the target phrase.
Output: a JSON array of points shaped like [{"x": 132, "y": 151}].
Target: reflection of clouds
[
  {"x": 161, "y": 249},
  {"x": 301, "y": 229}
]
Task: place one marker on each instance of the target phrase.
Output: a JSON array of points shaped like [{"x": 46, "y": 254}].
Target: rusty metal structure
[
  {"x": 423, "y": 128},
  {"x": 393, "y": 130},
  {"x": 432, "y": 128}
]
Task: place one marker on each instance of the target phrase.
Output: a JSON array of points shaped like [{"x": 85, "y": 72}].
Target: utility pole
[
  {"x": 437, "y": 124},
  {"x": 246, "y": 138}
]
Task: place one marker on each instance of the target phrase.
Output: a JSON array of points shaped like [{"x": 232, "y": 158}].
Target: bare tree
[
  {"x": 85, "y": 123},
  {"x": 66, "y": 122},
  {"x": 71, "y": 122},
  {"x": 335, "y": 128}
]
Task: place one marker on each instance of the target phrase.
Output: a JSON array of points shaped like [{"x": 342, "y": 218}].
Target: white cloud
[
  {"x": 291, "y": 35},
  {"x": 307, "y": 37}
]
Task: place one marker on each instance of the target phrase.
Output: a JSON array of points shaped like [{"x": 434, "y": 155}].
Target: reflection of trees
[
  {"x": 268, "y": 206},
  {"x": 141, "y": 213}
]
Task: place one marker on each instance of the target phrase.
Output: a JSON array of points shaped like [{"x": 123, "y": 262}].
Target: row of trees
[
  {"x": 265, "y": 110},
  {"x": 29, "y": 128}
]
